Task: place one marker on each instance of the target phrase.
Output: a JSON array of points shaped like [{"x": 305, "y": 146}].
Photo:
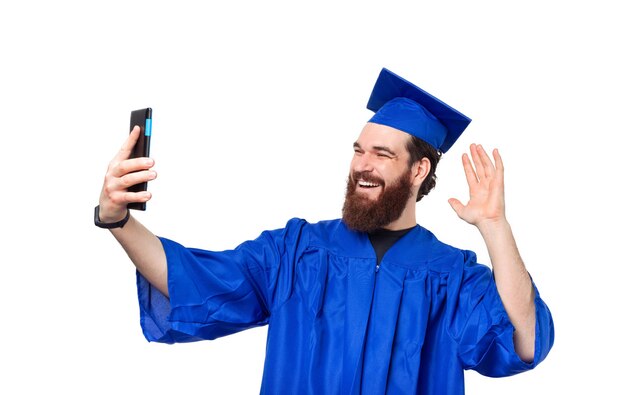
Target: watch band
[{"x": 110, "y": 225}]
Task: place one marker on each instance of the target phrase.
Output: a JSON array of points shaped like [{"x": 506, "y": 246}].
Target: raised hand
[
  {"x": 486, "y": 188},
  {"x": 121, "y": 174}
]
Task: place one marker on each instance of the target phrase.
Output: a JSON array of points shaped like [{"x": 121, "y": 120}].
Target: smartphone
[{"x": 143, "y": 119}]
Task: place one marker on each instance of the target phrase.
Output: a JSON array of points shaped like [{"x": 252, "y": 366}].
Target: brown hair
[{"x": 419, "y": 149}]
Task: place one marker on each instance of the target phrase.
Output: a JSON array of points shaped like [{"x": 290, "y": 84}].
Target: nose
[{"x": 362, "y": 162}]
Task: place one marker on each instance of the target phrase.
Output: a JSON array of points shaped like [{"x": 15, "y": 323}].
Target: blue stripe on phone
[{"x": 148, "y": 127}]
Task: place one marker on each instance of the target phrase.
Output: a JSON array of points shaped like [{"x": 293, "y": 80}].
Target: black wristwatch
[{"x": 110, "y": 225}]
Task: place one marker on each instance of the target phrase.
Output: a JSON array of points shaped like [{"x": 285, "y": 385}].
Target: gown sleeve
[
  {"x": 213, "y": 294},
  {"x": 483, "y": 330}
]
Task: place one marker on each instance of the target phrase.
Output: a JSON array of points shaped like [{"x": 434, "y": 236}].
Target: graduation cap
[{"x": 401, "y": 105}]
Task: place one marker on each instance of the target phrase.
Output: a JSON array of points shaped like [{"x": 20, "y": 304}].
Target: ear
[{"x": 420, "y": 170}]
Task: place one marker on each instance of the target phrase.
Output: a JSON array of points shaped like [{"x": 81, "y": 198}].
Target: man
[{"x": 372, "y": 303}]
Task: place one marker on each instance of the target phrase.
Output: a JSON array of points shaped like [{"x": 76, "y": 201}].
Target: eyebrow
[{"x": 377, "y": 148}]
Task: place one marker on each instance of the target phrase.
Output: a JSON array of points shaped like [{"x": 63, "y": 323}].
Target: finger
[
  {"x": 129, "y": 144},
  {"x": 470, "y": 174},
  {"x": 131, "y": 165},
  {"x": 488, "y": 167},
  {"x": 113, "y": 186},
  {"x": 499, "y": 173},
  {"x": 124, "y": 197},
  {"x": 456, "y": 205},
  {"x": 130, "y": 179},
  {"x": 499, "y": 163},
  {"x": 478, "y": 164}
]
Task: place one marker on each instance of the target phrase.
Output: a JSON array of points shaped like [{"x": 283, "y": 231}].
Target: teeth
[{"x": 367, "y": 184}]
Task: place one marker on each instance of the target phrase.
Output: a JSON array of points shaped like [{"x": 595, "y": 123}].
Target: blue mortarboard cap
[{"x": 403, "y": 106}]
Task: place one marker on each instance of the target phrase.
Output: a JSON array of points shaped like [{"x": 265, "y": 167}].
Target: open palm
[{"x": 486, "y": 188}]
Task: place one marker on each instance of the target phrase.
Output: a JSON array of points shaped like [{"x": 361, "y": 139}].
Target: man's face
[{"x": 380, "y": 182}]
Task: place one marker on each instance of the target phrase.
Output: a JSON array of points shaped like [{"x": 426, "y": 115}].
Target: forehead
[{"x": 374, "y": 134}]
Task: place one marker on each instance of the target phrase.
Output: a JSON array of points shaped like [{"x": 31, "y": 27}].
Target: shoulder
[
  {"x": 322, "y": 232},
  {"x": 318, "y": 233},
  {"x": 442, "y": 256},
  {"x": 437, "y": 249},
  {"x": 333, "y": 235}
]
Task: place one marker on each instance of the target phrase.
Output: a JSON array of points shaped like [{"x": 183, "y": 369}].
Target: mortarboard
[{"x": 401, "y": 105}]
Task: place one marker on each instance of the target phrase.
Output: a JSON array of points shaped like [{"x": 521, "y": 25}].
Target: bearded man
[{"x": 368, "y": 304}]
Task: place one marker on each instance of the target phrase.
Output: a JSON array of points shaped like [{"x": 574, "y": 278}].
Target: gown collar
[{"x": 414, "y": 250}]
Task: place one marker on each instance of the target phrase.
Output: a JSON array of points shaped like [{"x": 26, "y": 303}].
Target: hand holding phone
[{"x": 143, "y": 119}]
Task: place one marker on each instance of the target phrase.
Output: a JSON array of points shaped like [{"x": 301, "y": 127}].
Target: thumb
[{"x": 456, "y": 205}]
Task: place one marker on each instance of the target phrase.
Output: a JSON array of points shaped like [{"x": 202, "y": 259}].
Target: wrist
[
  {"x": 493, "y": 226},
  {"x": 107, "y": 218},
  {"x": 109, "y": 223}
]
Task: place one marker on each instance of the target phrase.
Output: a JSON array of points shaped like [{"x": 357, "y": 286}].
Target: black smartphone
[{"x": 143, "y": 119}]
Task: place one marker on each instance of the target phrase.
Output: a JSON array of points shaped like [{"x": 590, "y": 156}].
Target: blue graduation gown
[{"x": 337, "y": 323}]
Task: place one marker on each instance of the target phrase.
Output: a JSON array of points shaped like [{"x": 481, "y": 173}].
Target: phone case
[{"x": 143, "y": 118}]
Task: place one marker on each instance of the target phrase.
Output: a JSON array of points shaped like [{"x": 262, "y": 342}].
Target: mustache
[{"x": 366, "y": 176}]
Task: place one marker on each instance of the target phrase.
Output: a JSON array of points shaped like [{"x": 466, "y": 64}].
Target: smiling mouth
[{"x": 367, "y": 184}]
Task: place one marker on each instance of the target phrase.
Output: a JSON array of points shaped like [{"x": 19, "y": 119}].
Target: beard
[{"x": 363, "y": 214}]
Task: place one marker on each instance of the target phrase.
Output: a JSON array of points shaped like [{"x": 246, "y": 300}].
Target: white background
[{"x": 256, "y": 105}]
